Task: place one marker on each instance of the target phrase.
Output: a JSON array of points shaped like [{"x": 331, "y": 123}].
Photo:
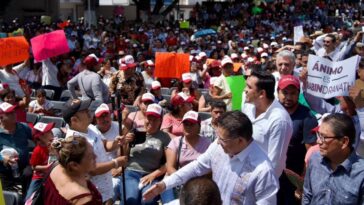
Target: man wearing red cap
[
  {"x": 127, "y": 82},
  {"x": 303, "y": 122},
  {"x": 89, "y": 82},
  {"x": 14, "y": 150}
]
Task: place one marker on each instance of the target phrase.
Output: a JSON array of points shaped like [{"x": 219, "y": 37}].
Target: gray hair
[{"x": 288, "y": 54}]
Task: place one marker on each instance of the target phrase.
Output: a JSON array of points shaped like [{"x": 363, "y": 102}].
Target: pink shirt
[
  {"x": 138, "y": 120},
  {"x": 176, "y": 124},
  {"x": 189, "y": 154},
  {"x": 309, "y": 153}
]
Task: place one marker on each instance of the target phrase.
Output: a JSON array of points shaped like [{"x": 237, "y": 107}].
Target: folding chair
[{"x": 59, "y": 122}]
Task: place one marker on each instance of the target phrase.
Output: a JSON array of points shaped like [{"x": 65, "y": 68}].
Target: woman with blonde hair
[{"x": 67, "y": 182}]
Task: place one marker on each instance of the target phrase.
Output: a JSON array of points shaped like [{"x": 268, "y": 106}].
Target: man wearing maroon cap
[
  {"x": 303, "y": 122},
  {"x": 89, "y": 82},
  {"x": 14, "y": 136}
]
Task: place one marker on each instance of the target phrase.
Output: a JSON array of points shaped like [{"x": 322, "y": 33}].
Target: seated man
[{"x": 14, "y": 153}]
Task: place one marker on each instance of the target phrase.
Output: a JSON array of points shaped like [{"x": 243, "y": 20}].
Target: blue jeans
[
  {"x": 34, "y": 185},
  {"x": 133, "y": 193},
  {"x": 167, "y": 196}
]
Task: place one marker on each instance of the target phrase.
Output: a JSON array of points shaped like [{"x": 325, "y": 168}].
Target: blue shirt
[
  {"x": 18, "y": 141},
  {"x": 343, "y": 186}
]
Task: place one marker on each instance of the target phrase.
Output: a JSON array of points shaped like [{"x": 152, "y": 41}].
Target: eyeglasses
[
  {"x": 224, "y": 141},
  {"x": 327, "y": 41},
  {"x": 323, "y": 138}
]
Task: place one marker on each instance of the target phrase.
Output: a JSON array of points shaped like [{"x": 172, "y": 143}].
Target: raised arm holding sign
[
  {"x": 49, "y": 45},
  {"x": 13, "y": 50},
  {"x": 327, "y": 79}
]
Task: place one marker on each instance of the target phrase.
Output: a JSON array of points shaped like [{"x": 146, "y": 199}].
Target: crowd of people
[{"x": 138, "y": 139}]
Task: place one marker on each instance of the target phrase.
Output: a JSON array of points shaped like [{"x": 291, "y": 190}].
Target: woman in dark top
[{"x": 67, "y": 183}]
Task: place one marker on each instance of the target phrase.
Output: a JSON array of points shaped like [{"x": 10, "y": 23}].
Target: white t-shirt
[
  {"x": 35, "y": 105},
  {"x": 103, "y": 182},
  {"x": 221, "y": 83},
  {"x": 147, "y": 80},
  {"x": 110, "y": 135},
  {"x": 12, "y": 80},
  {"x": 50, "y": 72}
]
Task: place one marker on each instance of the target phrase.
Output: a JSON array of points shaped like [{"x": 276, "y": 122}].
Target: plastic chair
[
  {"x": 59, "y": 122},
  {"x": 32, "y": 117}
]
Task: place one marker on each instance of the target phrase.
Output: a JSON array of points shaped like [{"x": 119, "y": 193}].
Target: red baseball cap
[
  {"x": 181, "y": 98},
  {"x": 41, "y": 128},
  {"x": 92, "y": 60},
  {"x": 6, "y": 108},
  {"x": 288, "y": 80}
]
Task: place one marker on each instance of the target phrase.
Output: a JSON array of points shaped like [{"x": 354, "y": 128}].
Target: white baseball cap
[
  {"x": 226, "y": 60},
  {"x": 156, "y": 85},
  {"x": 103, "y": 108},
  {"x": 186, "y": 77},
  {"x": 191, "y": 116},
  {"x": 154, "y": 109},
  {"x": 148, "y": 97},
  {"x": 234, "y": 56}
]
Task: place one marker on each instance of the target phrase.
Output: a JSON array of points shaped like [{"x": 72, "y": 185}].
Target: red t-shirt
[{"x": 39, "y": 157}]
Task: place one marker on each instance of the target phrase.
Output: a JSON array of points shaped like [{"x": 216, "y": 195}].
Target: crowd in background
[{"x": 112, "y": 64}]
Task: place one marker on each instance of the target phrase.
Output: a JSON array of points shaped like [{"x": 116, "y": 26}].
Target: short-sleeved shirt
[
  {"x": 18, "y": 141},
  {"x": 35, "y": 105},
  {"x": 103, "y": 182},
  {"x": 150, "y": 155},
  {"x": 170, "y": 121},
  {"x": 207, "y": 130},
  {"x": 39, "y": 157},
  {"x": 110, "y": 135},
  {"x": 188, "y": 154},
  {"x": 225, "y": 88}
]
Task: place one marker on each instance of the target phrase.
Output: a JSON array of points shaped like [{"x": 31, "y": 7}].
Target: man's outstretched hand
[{"x": 154, "y": 191}]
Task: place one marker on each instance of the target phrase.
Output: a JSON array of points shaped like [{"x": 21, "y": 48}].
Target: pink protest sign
[{"x": 49, "y": 45}]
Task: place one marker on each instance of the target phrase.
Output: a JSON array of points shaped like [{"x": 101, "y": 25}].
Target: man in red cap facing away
[{"x": 89, "y": 82}]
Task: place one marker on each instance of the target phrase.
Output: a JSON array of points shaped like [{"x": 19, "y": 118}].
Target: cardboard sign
[
  {"x": 171, "y": 65},
  {"x": 237, "y": 86},
  {"x": 13, "y": 50},
  {"x": 327, "y": 79},
  {"x": 49, "y": 45},
  {"x": 298, "y": 34}
]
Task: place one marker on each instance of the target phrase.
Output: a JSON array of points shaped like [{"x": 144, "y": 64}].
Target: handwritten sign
[
  {"x": 329, "y": 79},
  {"x": 13, "y": 50},
  {"x": 49, "y": 45},
  {"x": 171, "y": 65}
]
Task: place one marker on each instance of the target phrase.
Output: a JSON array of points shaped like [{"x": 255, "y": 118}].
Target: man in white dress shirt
[
  {"x": 272, "y": 125},
  {"x": 240, "y": 168}
]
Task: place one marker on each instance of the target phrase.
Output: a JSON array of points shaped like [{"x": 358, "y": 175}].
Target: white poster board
[
  {"x": 298, "y": 34},
  {"x": 327, "y": 79}
]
